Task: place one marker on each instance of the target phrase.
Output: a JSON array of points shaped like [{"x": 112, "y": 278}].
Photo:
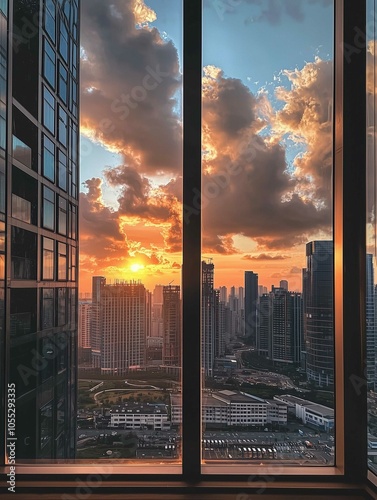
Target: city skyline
[{"x": 132, "y": 165}]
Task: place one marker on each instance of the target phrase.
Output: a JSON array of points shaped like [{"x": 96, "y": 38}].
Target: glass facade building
[
  {"x": 318, "y": 311},
  {"x": 38, "y": 217}
]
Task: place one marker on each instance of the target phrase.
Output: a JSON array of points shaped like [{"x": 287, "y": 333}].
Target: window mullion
[
  {"x": 350, "y": 238},
  {"x": 191, "y": 273}
]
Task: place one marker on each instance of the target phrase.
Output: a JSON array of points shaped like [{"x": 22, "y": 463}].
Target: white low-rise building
[
  {"x": 308, "y": 412},
  {"x": 234, "y": 409},
  {"x": 140, "y": 416}
]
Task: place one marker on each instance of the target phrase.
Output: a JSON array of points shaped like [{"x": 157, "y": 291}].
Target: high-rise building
[
  {"x": 122, "y": 326},
  {"x": 219, "y": 326},
  {"x": 39, "y": 57},
  {"x": 84, "y": 331},
  {"x": 156, "y": 328},
  {"x": 318, "y": 312},
  {"x": 370, "y": 324},
  {"x": 95, "y": 330},
  {"x": 223, "y": 294},
  {"x": 208, "y": 318},
  {"x": 85, "y": 316},
  {"x": 251, "y": 303},
  {"x": 264, "y": 331},
  {"x": 172, "y": 328},
  {"x": 279, "y": 335},
  {"x": 286, "y": 326},
  {"x": 284, "y": 284}
]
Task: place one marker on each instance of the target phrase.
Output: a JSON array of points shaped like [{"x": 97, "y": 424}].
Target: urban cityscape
[
  {"x": 97, "y": 370},
  {"x": 263, "y": 353}
]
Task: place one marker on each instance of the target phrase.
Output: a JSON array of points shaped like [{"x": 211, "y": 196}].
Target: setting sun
[{"x": 136, "y": 267}]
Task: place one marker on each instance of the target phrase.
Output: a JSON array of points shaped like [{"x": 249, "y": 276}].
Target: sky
[{"x": 267, "y": 138}]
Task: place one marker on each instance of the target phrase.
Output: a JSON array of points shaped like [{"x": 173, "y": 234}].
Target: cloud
[
  {"x": 264, "y": 256},
  {"x": 142, "y": 202},
  {"x": 295, "y": 270},
  {"x": 130, "y": 78},
  {"x": 247, "y": 187}
]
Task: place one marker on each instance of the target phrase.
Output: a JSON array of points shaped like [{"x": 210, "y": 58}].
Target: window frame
[
  {"x": 350, "y": 470},
  {"x": 46, "y": 57}
]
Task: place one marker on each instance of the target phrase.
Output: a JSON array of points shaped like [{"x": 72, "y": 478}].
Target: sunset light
[{"x": 136, "y": 267}]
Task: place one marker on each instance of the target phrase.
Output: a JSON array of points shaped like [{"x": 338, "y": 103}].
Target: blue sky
[
  {"x": 253, "y": 41},
  {"x": 255, "y": 52}
]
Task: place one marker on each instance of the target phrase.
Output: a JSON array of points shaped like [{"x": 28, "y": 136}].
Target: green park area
[{"x": 99, "y": 393}]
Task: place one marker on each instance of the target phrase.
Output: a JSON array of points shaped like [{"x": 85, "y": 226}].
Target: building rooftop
[
  {"x": 138, "y": 408},
  {"x": 325, "y": 411}
]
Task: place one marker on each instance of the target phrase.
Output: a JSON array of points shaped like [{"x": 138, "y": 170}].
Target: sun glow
[{"x": 136, "y": 267}]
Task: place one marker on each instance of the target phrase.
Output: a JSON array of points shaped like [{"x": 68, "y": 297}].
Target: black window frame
[
  {"x": 48, "y": 14},
  {"x": 46, "y": 103},
  {"x": 47, "y": 143},
  {"x": 47, "y": 57},
  {"x": 52, "y": 201}
]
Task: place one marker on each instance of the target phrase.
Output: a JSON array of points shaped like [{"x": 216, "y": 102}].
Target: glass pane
[
  {"x": 48, "y": 159},
  {"x": 22, "y": 152},
  {"x": 130, "y": 231},
  {"x": 48, "y": 263},
  {"x": 49, "y": 111},
  {"x": 267, "y": 272},
  {"x": 48, "y": 209},
  {"x": 49, "y": 63},
  {"x": 50, "y": 18}
]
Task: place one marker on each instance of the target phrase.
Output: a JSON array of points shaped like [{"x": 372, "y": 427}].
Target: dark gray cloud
[
  {"x": 139, "y": 199},
  {"x": 95, "y": 218},
  {"x": 233, "y": 110},
  {"x": 129, "y": 78},
  {"x": 247, "y": 189}
]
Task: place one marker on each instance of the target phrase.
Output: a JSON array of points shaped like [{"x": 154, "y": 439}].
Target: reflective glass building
[
  {"x": 318, "y": 312},
  {"x": 39, "y": 217}
]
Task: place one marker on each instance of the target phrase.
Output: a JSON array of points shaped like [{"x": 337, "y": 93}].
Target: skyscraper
[
  {"x": 95, "y": 330},
  {"x": 38, "y": 219},
  {"x": 172, "y": 328},
  {"x": 264, "y": 331},
  {"x": 156, "y": 312},
  {"x": 122, "y": 326},
  {"x": 251, "y": 303},
  {"x": 318, "y": 311},
  {"x": 286, "y": 331},
  {"x": 84, "y": 331},
  {"x": 284, "y": 284},
  {"x": 208, "y": 318},
  {"x": 279, "y": 334}
]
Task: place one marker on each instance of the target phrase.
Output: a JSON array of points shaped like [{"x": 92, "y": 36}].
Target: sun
[{"x": 136, "y": 267}]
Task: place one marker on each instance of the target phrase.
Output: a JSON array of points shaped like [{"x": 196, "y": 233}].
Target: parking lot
[{"x": 245, "y": 445}]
